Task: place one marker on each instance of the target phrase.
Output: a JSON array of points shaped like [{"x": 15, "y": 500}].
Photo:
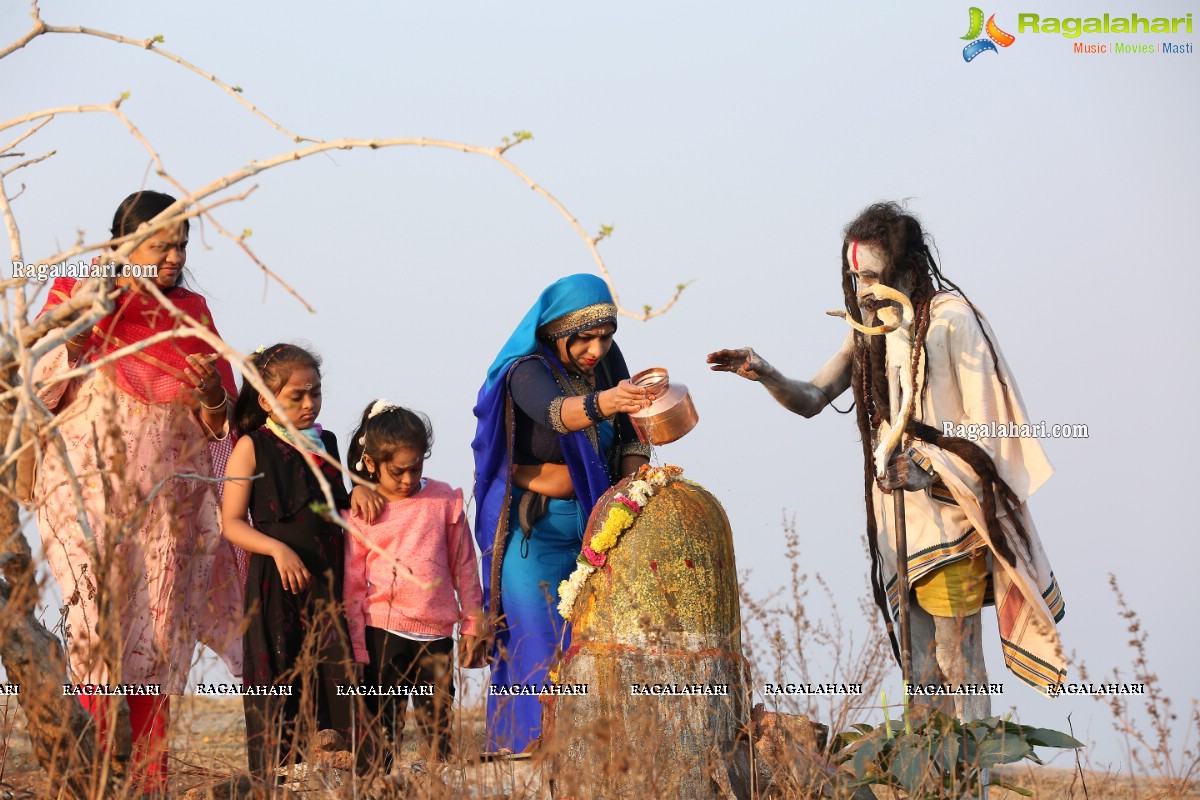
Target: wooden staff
[
  {"x": 902, "y": 584},
  {"x": 888, "y": 448}
]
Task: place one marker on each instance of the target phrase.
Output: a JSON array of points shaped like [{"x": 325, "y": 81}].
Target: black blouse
[{"x": 534, "y": 391}]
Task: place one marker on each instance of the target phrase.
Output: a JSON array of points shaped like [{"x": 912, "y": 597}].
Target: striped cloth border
[
  {"x": 939, "y": 492},
  {"x": 1029, "y": 668},
  {"x": 1054, "y": 599},
  {"x": 922, "y": 562}
]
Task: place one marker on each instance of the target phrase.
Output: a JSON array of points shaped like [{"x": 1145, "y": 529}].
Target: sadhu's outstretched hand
[{"x": 742, "y": 361}]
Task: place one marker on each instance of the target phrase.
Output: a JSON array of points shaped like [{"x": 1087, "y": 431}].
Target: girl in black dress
[{"x": 297, "y": 650}]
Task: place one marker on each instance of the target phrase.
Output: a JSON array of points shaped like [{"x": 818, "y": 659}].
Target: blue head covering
[
  {"x": 569, "y": 305},
  {"x": 564, "y": 297}
]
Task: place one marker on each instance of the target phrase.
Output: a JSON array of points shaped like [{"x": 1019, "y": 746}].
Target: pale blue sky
[{"x": 728, "y": 145}]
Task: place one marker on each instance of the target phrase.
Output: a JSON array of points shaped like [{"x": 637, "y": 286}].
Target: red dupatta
[{"x": 154, "y": 374}]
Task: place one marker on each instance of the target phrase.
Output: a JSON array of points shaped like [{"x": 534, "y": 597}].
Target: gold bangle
[{"x": 224, "y": 402}]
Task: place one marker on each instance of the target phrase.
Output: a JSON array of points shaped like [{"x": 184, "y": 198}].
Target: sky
[{"x": 728, "y": 146}]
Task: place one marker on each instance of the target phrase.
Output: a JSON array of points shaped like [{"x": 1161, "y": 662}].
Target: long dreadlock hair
[{"x": 910, "y": 267}]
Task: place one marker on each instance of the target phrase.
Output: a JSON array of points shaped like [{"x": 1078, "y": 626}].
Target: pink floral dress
[{"x": 170, "y": 577}]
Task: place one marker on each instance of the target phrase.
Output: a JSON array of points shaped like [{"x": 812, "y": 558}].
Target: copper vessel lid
[{"x": 671, "y": 416}]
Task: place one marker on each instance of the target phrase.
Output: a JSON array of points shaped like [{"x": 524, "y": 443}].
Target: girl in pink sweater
[{"x": 400, "y": 588}]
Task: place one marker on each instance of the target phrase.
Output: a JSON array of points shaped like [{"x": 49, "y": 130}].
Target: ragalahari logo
[{"x": 995, "y": 36}]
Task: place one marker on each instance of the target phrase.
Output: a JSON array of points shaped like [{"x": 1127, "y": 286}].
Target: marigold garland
[
  {"x": 620, "y": 518},
  {"x": 623, "y": 510}
]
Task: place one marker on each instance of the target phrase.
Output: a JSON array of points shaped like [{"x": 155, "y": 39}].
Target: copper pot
[{"x": 670, "y": 416}]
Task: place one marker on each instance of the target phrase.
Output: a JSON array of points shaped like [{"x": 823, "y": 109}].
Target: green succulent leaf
[
  {"x": 945, "y": 752},
  {"x": 911, "y": 764},
  {"x": 1004, "y": 749},
  {"x": 844, "y": 740},
  {"x": 1044, "y": 737},
  {"x": 864, "y": 756}
]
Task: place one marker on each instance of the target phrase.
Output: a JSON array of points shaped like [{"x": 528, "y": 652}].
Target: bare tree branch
[
  {"x": 40, "y": 28},
  {"x": 27, "y": 163},
  {"x": 26, "y": 135}
]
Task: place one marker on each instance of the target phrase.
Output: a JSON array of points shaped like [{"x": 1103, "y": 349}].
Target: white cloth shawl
[{"x": 963, "y": 386}]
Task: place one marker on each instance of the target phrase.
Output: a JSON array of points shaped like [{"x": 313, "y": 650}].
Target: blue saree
[{"x": 520, "y": 583}]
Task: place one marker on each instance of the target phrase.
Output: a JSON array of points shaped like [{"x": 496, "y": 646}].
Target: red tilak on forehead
[{"x": 854, "y": 253}]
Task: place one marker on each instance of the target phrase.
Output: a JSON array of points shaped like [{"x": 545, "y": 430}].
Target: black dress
[{"x": 296, "y": 640}]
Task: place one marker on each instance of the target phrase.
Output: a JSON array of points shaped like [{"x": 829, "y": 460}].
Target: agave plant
[{"x": 930, "y": 755}]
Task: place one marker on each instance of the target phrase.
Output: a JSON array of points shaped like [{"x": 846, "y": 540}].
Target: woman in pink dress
[{"x": 153, "y": 575}]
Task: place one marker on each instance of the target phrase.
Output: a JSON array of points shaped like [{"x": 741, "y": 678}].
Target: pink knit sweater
[{"x": 426, "y": 537}]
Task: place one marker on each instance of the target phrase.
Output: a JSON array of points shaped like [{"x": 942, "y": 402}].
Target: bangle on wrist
[
  {"x": 224, "y": 402},
  {"x": 591, "y": 407}
]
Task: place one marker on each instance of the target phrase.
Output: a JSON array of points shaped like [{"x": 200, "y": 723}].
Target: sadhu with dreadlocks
[{"x": 971, "y": 540}]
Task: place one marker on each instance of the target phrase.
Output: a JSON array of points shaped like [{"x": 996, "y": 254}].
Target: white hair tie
[{"x": 380, "y": 406}]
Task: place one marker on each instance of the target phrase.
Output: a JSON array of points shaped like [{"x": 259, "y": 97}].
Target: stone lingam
[
  {"x": 656, "y": 639},
  {"x": 659, "y": 700}
]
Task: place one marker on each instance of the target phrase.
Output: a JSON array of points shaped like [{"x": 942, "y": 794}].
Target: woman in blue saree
[{"x": 553, "y": 436}]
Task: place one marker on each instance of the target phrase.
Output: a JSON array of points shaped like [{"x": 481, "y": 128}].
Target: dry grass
[
  {"x": 784, "y": 644},
  {"x": 207, "y": 744}
]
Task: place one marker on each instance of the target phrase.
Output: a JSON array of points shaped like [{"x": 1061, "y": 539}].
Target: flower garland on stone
[{"x": 623, "y": 510}]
